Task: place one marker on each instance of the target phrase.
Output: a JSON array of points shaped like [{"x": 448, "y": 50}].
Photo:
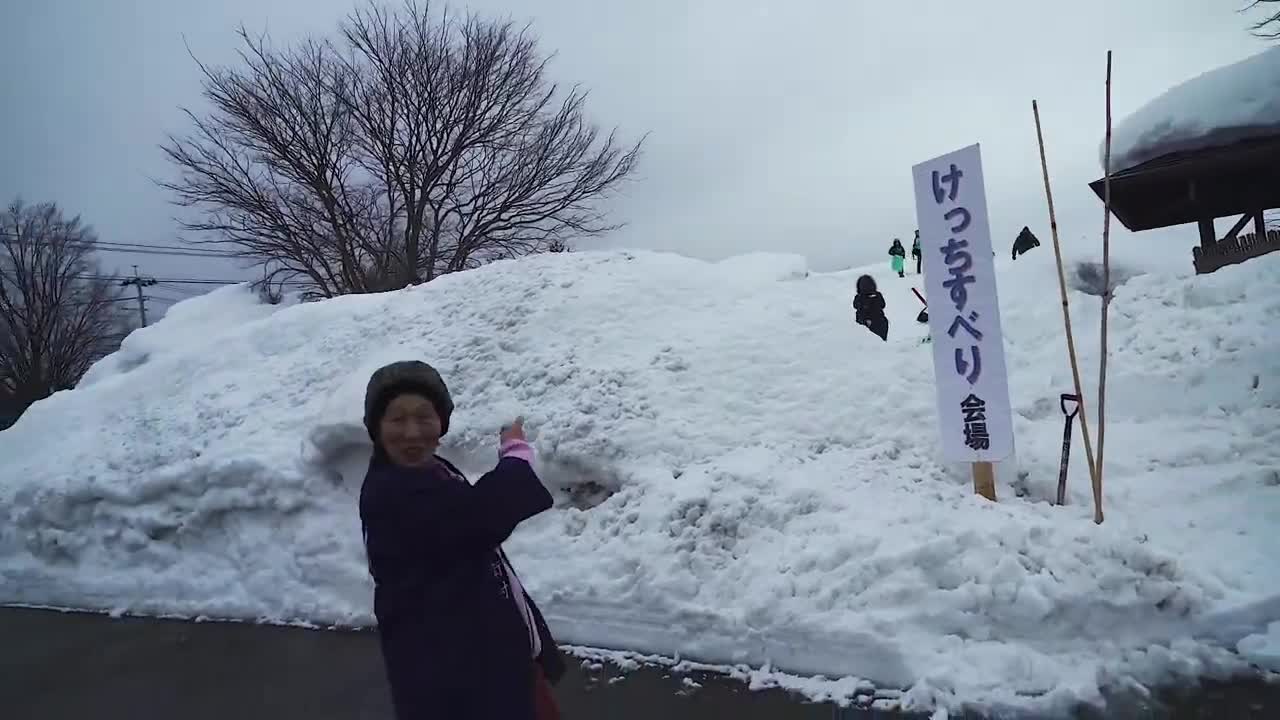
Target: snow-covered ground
[
  {"x": 1235, "y": 102},
  {"x": 744, "y": 475}
]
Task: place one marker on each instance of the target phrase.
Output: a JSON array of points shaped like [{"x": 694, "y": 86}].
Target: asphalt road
[{"x": 56, "y": 665}]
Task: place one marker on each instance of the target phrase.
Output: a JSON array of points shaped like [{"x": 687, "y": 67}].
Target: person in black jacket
[
  {"x": 915, "y": 251},
  {"x": 868, "y": 306},
  {"x": 460, "y": 637},
  {"x": 1024, "y": 242}
]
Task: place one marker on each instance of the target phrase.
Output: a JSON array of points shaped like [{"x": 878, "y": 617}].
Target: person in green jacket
[{"x": 897, "y": 257}]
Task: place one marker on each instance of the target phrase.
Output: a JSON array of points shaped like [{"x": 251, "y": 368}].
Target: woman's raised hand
[{"x": 513, "y": 431}]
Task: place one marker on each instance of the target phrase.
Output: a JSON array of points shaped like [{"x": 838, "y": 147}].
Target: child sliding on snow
[
  {"x": 898, "y": 256},
  {"x": 868, "y": 306}
]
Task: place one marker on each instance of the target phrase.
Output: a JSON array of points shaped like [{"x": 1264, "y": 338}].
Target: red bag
[{"x": 544, "y": 702}]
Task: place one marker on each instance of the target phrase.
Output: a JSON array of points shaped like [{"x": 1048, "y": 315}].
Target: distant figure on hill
[
  {"x": 1024, "y": 242},
  {"x": 868, "y": 306},
  {"x": 915, "y": 251},
  {"x": 897, "y": 256}
]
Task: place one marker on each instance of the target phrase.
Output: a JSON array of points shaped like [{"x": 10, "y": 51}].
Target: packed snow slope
[
  {"x": 1225, "y": 105},
  {"x": 743, "y": 475}
]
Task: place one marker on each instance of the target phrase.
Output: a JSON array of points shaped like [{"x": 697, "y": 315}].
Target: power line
[
  {"x": 202, "y": 281},
  {"x": 124, "y": 247},
  {"x": 208, "y": 254},
  {"x": 100, "y": 302},
  {"x": 181, "y": 290},
  {"x": 141, "y": 248},
  {"x": 191, "y": 281},
  {"x": 169, "y": 251}
]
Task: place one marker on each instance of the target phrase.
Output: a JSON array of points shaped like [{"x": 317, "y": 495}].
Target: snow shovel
[
  {"x": 923, "y": 317},
  {"x": 1070, "y": 414}
]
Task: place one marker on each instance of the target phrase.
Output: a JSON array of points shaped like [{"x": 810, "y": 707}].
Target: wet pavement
[{"x": 56, "y": 665}]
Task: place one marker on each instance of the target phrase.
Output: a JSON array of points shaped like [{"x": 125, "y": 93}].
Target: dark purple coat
[{"x": 452, "y": 639}]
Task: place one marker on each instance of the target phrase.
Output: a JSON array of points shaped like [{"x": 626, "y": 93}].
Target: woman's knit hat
[{"x": 398, "y": 378}]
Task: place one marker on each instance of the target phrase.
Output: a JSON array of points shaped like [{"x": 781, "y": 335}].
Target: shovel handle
[{"x": 1070, "y": 398}]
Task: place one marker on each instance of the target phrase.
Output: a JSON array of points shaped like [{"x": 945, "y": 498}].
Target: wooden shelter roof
[{"x": 1185, "y": 187}]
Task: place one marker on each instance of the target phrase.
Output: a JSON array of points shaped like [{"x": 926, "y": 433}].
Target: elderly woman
[{"x": 460, "y": 636}]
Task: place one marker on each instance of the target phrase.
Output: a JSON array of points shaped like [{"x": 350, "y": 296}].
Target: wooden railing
[{"x": 1231, "y": 251}]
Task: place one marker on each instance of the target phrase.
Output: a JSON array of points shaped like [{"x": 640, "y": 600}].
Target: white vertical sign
[{"x": 964, "y": 311}]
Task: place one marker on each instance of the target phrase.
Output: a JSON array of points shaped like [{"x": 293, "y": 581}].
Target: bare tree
[
  {"x": 273, "y": 169},
  {"x": 1269, "y": 26},
  {"x": 56, "y": 312},
  {"x": 415, "y": 144}
]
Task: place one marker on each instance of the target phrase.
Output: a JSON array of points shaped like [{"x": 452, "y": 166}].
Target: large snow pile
[
  {"x": 1226, "y": 105},
  {"x": 1263, "y": 648},
  {"x": 744, "y": 475}
]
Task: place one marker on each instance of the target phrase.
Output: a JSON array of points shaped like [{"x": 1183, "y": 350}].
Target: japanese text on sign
[
  {"x": 974, "y": 410},
  {"x": 964, "y": 317}
]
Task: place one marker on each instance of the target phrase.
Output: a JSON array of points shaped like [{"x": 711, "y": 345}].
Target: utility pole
[{"x": 139, "y": 282}]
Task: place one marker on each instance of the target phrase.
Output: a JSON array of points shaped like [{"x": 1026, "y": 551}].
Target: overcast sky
[{"x": 774, "y": 125}]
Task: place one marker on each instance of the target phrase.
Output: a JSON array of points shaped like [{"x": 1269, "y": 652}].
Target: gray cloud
[{"x": 774, "y": 126}]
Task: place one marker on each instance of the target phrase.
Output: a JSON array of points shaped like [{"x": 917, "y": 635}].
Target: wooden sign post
[{"x": 984, "y": 480}]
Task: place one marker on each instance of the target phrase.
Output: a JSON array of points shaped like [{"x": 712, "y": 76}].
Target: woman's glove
[{"x": 512, "y": 443}]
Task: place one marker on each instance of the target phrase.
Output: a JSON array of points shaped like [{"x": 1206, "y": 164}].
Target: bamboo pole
[
  {"x": 1066, "y": 313},
  {"x": 1106, "y": 300}
]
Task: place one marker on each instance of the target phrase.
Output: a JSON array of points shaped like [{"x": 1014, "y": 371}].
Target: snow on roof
[
  {"x": 1231, "y": 103},
  {"x": 776, "y": 491}
]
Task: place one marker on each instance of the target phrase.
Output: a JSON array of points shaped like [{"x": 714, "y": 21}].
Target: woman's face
[{"x": 410, "y": 431}]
